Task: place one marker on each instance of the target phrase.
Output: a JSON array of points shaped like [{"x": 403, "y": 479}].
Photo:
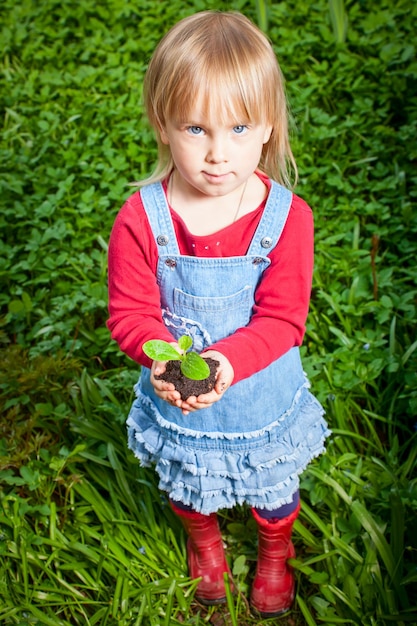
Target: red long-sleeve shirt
[{"x": 281, "y": 298}]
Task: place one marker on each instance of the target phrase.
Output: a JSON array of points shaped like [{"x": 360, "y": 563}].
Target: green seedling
[{"x": 192, "y": 364}]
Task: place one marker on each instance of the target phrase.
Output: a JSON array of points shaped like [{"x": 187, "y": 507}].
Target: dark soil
[{"x": 186, "y": 386}]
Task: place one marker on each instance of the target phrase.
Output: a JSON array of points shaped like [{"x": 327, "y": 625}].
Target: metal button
[
  {"x": 257, "y": 260},
  {"x": 266, "y": 242},
  {"x": 162, "y": 240},
  {"x": 171, "y": 262}
]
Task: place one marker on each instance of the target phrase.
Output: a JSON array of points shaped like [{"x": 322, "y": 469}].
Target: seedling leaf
[
  {"x": 159, "y": 350},
  {"x": 195, "y": 367},
  {"x": 185, "y": 342}
]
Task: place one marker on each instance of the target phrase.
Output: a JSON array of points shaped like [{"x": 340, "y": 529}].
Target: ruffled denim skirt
[{"x": 211, "y": 471}]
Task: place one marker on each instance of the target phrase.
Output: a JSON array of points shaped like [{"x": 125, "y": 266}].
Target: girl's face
[{"x": 214, "y": 157}]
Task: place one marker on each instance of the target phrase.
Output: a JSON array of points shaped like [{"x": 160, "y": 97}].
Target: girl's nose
[{"x": 216, "y": 152}]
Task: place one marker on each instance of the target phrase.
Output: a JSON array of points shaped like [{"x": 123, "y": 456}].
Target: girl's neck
[{"x": 205, "y": 215}]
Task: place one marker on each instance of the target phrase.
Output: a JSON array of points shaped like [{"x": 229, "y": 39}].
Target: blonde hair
[{"x": 224, "y": 60}]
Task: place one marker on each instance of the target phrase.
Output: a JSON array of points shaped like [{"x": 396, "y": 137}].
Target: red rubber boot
[
  {"x": 205, "y": 554},
  {"x": 273, "y": 587}
]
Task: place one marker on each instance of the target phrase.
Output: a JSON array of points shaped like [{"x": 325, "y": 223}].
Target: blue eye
[
  {"x": 195, "y": 130},
  {"x": 239, "y": 129}
]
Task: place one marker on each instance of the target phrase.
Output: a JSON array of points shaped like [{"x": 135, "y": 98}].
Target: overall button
[
  {"x": 171, "y": 263},
  {"x": 162, "y": 240},
  {"x": 257, "y": 260},
  {"x": 266, "y": 242}
]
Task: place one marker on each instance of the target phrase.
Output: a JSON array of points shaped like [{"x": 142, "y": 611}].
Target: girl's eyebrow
[
  {"x": 209, "y": 125},
  {"x": 189, "y": 122}
]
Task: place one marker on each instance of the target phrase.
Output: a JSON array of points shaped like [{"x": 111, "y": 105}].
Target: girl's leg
[
  {"x": 273, "y": 586},
  {"x": 284, "y": 511},
  {"x": 205, "y": 552}
]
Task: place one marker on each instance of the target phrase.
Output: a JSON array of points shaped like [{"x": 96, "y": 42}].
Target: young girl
[{"x": 212, "y": 247}]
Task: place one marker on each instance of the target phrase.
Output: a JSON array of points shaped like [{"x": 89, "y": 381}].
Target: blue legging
[{"x": 280, "y": 513}]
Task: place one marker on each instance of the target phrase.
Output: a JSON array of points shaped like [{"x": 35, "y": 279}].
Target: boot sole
[
  {"x": 269, "y": 614},
  {"x": 208, "y": 602}
]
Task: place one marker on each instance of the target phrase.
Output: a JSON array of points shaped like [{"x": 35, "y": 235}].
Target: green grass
[{"x": 85, "y": 535}]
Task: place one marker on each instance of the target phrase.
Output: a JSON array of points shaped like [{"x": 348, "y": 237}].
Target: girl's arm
[
  {"x": 281, "y": 300},
  {"x": 134, "y": 300}
]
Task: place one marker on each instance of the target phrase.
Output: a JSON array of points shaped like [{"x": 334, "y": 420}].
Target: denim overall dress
[{"x": 252, "y": 445}]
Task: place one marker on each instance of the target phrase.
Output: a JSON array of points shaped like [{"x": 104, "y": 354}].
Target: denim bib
[{"x": 209, "y": 299}]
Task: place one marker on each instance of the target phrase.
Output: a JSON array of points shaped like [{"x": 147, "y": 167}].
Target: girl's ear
[
  {"x": 267, "y": 134},
  {"x": 163, "y": 135}
]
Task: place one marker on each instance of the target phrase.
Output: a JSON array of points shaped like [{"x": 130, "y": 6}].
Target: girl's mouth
[{"x": 216, "y": 178}]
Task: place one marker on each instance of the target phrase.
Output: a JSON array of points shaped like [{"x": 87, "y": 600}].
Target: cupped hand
[
  {"x": 163, "y": 389},
  {"x": 224, "y": 378},
  {"x": 166, "y": 391}
]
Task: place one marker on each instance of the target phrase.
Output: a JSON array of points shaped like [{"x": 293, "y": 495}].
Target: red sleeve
[
  {"x": 134, "y": 301},
  {"x": 281, "y": 300}
]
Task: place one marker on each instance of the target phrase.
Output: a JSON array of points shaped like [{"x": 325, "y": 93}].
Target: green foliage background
[{"x": 85, "y": 536}]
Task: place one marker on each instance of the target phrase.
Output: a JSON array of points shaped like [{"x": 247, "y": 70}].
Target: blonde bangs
[{"x": 227, "y": 69}]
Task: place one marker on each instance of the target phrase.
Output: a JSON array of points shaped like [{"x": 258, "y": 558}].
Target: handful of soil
[{"x": 186, "y": 386}]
